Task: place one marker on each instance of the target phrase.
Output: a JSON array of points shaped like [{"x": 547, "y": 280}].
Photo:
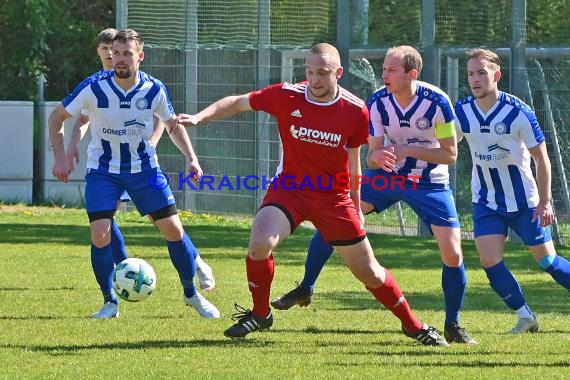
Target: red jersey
[{"x": 315, "y": 136}]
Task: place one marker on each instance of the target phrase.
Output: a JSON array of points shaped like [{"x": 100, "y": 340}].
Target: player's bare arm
[
  {"x": 157, "y": 131},
  {"x": 180, "y": 138},
  {"x": 380, "y": 156},
  {"x": 225, "y": 107},
  {"x": 61, "y": 169},
  {"x": 446, "y": 153},
  {"x": 544, "y": 209},
  {"x": 78, "y": 132}
]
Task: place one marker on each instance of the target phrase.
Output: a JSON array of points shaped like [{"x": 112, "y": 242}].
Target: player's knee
[
  {"x": 100, "y": 225},
  {"x": 164, "y": 213},
  {"x": 260, "y": 248},
  {"x": 100, "y": 235}
]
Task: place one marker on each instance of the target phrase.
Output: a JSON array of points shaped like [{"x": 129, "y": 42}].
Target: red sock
[
  {"x": 259, "y": 279},
  {"x": 390, "y": 295}
]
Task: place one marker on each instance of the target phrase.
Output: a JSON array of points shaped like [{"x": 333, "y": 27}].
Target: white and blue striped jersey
[
  {"x": 121, "y": 122},
  {"x": 502, "y": 178},
  {"x": 414, "y": 125}
]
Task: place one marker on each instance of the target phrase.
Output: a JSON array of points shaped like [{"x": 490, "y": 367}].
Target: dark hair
[
  {"x": 127, "y": 35},
  {"x": 106, "y": 36}
]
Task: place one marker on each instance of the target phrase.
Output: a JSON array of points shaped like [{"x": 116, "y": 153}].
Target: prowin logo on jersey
[{"x": 314, "y": 136}]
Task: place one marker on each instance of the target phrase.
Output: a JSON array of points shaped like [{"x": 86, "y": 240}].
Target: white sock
[
  {"x": 198, "y": 262},
  {"x": 525, "y": 312}
]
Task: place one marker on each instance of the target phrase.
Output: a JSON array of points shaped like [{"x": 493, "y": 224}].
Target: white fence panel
[
  {"x": 72, "y": 192},
  {"x": 16, "y": 151}
]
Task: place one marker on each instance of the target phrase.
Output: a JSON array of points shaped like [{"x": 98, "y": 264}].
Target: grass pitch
[{"x": 48, "y": 292}]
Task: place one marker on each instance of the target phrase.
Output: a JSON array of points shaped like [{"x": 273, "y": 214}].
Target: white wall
[{"x": 16, "y": 150}]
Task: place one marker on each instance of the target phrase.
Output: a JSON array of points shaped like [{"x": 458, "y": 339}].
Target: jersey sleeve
[
  {"x": 266, "y": 99},
  {"x": 530, "y": 133},
  {"x": 163, "y": 109},
  {"x": 78, "y": 100},
  {"x": 360, "y": 136}
]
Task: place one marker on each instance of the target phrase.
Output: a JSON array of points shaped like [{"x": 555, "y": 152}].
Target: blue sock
[
  {"x": 182, "y": 254},
  {"x": 102, "y": 263},
  {"x": 505, "y": 285},
  {"x": 453, "y": 282},
  {"x": 558, "y": 267},
  {"x": 118, "y": 248},
  {"x": 319, "y": 253}
]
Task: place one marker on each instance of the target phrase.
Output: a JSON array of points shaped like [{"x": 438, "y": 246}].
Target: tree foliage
[{"x": 54, "y": 38}]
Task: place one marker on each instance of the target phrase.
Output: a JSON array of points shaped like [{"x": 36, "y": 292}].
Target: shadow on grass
[{"x": 74, "y": 349}]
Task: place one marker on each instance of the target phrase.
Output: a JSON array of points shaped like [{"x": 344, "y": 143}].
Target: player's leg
[
  {"x": 342, "y": 228},
  {"x": 118, "y": 247},
  {"x": 159, "y": 203},
  {"x": 453, "y": 282},
  {"x": 101, "y": 193},
  {"x": 319, "y": 251},
  {"x": 183, "y": 254},
  {"x": 271, "y": 225},
  {"x": 205, "y": 274},
  {"x": 552, "y": 263},
  {"x": 539, "y": 241},
  {"x": 203, "y": 271},
  {"x": 490, "y": 232},
  {"x": 383, "y": 286},
  {"x": 435, "y": 206},
  {"x": 318, "y": 254}
]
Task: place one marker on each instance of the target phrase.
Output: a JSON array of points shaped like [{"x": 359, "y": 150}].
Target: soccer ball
[{"x": 134, "y": 279}]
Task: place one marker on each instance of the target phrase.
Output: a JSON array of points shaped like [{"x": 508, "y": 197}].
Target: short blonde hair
[
  {"x": 485, "y": 54},
  {"x": 324, "y": 48},
  {"x": 410, "y": 56}
]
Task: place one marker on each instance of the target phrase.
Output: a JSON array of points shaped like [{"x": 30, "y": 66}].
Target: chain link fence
[{"x": 205, "y": 50}]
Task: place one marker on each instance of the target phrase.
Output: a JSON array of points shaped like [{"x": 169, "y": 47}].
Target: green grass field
[{"x": 48, "y": 291}]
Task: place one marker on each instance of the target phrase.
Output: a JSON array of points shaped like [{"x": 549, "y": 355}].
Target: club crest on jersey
[
  {"x": 141, "y": 104},
  {"x": 500, "y": 128},
  {"x": 423, "y": 123},
  {"x": 315, "y": 136}
]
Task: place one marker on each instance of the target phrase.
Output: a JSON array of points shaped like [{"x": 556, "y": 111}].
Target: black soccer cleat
[
  {"x": 454, "y": 333},
  {"x": 298, "y": 296},
  {"x": 247, "y": 322},
  {"x": 428, "y": 336}
]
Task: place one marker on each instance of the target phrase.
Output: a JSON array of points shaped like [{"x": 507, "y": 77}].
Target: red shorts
[{"x": 333, "y": 214}]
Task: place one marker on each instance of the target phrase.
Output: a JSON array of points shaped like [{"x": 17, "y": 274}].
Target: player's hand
[
  {"x": 195, "y": 169},
  {"x": 187, "y": 120},
  {"x": 385, "y": 158},
  {"x": 72, "y": 156},
  {"x": 545, "y": 213},
  {"x": 61, "y": 169}
]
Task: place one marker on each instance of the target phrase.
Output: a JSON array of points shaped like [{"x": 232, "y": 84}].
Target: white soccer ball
[{"x": 134, "y": 279}]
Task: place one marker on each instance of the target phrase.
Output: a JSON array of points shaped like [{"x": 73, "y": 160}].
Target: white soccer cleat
[
  {"x": 108, "y": 311},
  {"x": 525, "y": 325},
  {"x": 204, "y": 307},
  {"x": 205, "y": 275}
]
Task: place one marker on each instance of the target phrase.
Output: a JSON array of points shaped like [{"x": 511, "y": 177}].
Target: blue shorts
[
  {"x": 493, "y": 222},
  {"x": 149, "y": 190},
  {"x": 433, "y": 203}
]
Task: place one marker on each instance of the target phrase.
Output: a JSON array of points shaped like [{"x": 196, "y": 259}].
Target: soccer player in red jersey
[{"x": 321, "y": 126}]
